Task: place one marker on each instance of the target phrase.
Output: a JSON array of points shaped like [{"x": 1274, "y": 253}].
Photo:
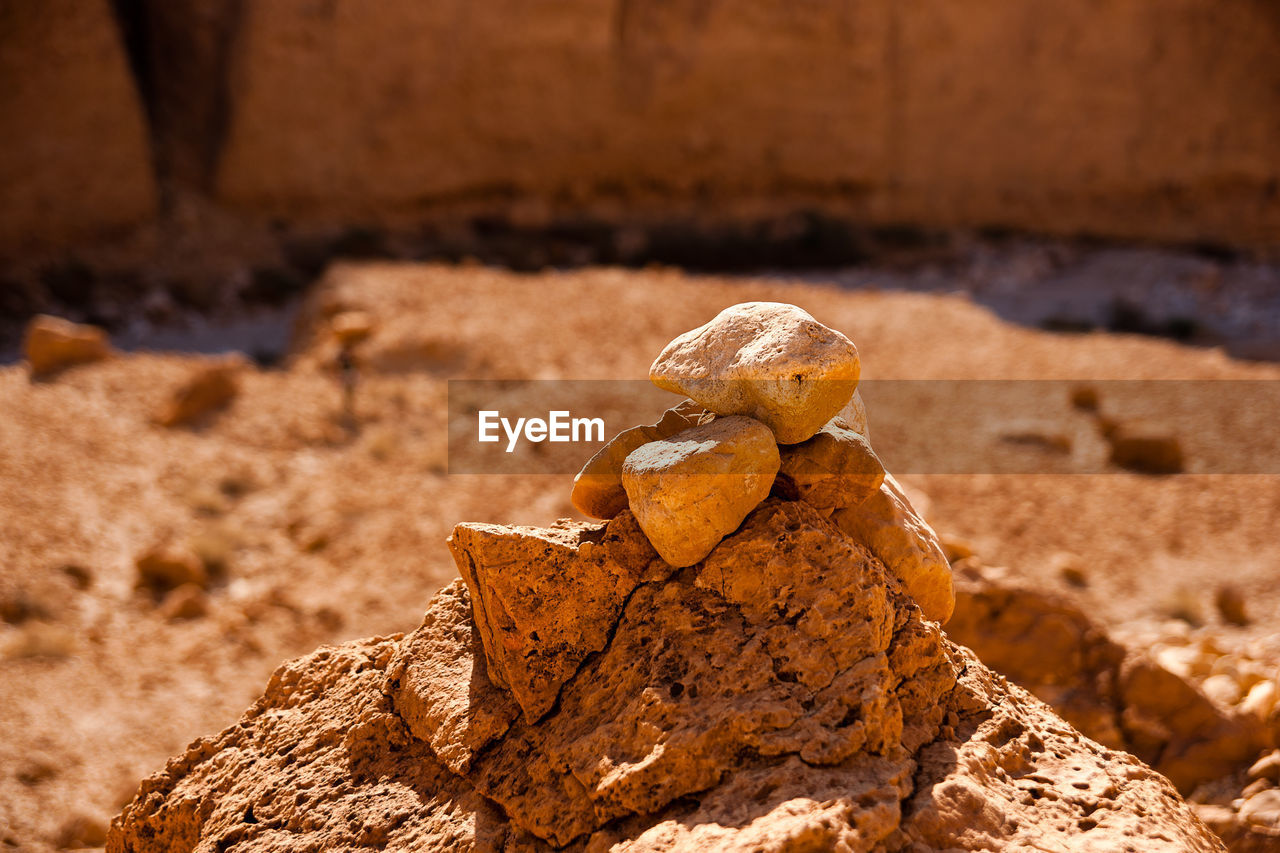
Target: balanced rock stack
[
  {"x": 735, "y": 659},
  {"x": 774, "y": 407}
]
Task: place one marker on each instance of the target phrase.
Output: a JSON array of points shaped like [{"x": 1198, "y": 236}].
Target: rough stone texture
[
  {"x": 1019, "y": 782},
  {"x": 52, "y": 343},
  {"x": 1122, "y": 697},
  {"x": 689, "y": 490},
  {"x": 355, "y": 775},
  {"x": 785, "y": 695},
  {"x": 769, "y": 360},
  {"x": 835, "y": 469},
  {"x": 597, "y": 490},
  {"x": 1244, "y": 809},
  {"x": 440, "y": 684},
  {"x": 209, "y": 388},
  {"x": 890, "y": 112},
  {"x": 888, "y": 525},
  {"x": 76, "y": 156},
  {"x": 545, "y": 598},
  {"x": 854, "y": 416}
]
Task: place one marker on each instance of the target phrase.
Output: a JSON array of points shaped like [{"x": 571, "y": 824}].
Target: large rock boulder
[
  {"x": 76, "y": 154},
  {"x": 784, "y": 694},
  {"x": 546, "y": 598}
]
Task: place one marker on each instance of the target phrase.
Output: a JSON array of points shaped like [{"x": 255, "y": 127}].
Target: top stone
[{"x": 768, "y": 360}]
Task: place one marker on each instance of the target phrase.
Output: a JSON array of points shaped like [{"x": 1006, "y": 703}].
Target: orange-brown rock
[
  {"x": 1145, "y": 447},
  {"x": 835, "y": 469},
  {"x": 351, "y": 327},
  {"x": 168, "y": 566},
  {"x": 689, "y": 490},
  {"x": 768, "y": 360},
  {"x": 209, "y": 388},
  {"x": 439, "y": 683},
  {"x": 887, "y": 524},
  {"x": 52, "y": 343},
  {"x": 597, "y": 490},
  {"x": 77, "y": 160},
  {"x": 783, "y": 695},
  {"x": 854, "y": 416},
  {"x": 1121, "y": 697},
  {"x": 545, "y": 598},
  {"x": 929, "y": 114},
  {"x": 1243, "y": 809}
]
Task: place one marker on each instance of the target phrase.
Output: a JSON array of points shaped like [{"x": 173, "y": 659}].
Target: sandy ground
[{"x": 317, "y": 530}]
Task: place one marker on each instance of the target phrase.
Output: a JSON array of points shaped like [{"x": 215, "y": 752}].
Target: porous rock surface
[
  {"x": 769, "y": 360},
  {"x": 784, "y": 694},
  {"x": 1123, "y": 696},
  {"x": 546, "y": 598}
]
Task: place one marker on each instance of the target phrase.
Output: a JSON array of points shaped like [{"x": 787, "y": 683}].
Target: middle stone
[{"x": 690, "y": 490}]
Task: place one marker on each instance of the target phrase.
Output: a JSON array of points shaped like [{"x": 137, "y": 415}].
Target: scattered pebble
[
  {"x": 168, "y": 566},
  {"x": 37, "y": 640},
  {"x": 352, "y": 327},
  {"x": 53, "y": 343},
  {"x": 1085, "y": 398},
  {"x": 956, "y": 549},
  {"x": 83, "y": 830},
  {"x": 1231, "y": 606},
  {"x": 207, "y": 389},
  {"x": 1070, "y": 569},
  {"x": 188, "y": 601},
  {"x": 1267, "y": 767},
  {"x": 1145, "y": 448}
]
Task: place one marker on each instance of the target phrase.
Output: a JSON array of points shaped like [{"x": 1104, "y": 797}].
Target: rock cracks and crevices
[{"x": 711, "y": 718}]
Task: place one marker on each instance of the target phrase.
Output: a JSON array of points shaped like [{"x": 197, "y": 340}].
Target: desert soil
[{"x": 316, "y": 530}]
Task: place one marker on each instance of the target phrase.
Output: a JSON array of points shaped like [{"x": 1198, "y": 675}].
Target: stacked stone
[
  {"x": 773, "y": 413},
  {"x": 773, "y": 408}
]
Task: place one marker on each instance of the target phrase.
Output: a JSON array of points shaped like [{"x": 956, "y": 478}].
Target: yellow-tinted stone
[
  {"x": 835, "y": 469},
  {"x": 597, "y": 490},
  {"x": 854, "y": 416},
  {"x": 690, "y": 490},
  {"x": 768, "y": 360},
  {"x": 888, "y": 525},
  {"x": 53, "y": 343}
]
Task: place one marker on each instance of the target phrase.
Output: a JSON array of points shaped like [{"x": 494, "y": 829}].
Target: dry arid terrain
[{"x": 280, "y": 523}]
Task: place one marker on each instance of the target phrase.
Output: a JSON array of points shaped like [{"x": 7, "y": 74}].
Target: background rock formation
[
  {"x": 1128, "y": 121},
  {"x": 77, "y": 156}
]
